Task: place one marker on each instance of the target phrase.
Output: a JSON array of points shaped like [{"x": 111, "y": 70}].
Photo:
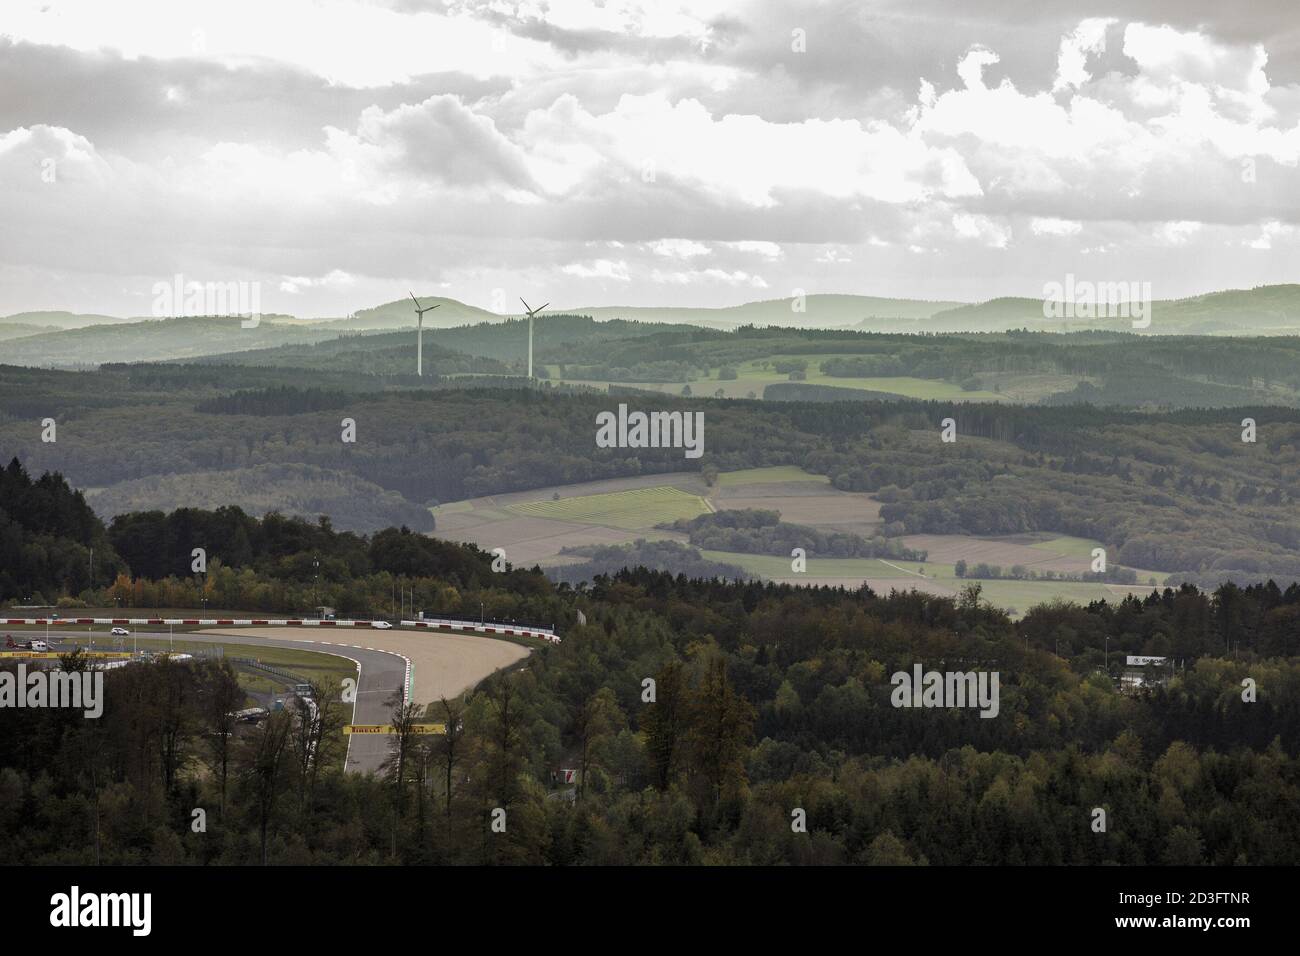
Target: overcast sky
[{"x": 642, "y": 153}]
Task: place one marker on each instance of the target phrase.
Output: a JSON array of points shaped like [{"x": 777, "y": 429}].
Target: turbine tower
[
  {"x": 419, "y": 333},
  {"x": 531, "y": 313}
]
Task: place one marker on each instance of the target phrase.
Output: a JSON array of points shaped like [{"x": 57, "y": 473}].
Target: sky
[{"x": 339, "y": 152}]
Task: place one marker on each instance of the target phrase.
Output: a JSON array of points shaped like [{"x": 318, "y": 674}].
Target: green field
[
  {"x": 629, "y": 510},
  {"x": 1018, "y": 596},
  {"x": 772, "y": 566},
  {"x": 639, "y": 510},
  {"x": 1071, "y": 547},
  {"x": 758, "y": 476}
]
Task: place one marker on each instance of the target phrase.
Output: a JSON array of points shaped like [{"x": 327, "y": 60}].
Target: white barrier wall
[{"x": 440, "y": 624}]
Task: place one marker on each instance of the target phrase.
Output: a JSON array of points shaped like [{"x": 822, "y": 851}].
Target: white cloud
[
  {"x": 599, "y": 269},
  {"x": 982, "y": 229},
  {"x": 349, "y": 42},
  {"x": 745, "y": 159},
  {"x": 569, "y": 142},
  {"x": 1088, "y": 38},
  {"x": 1180, "y": 232},
  {"x": 678, "y": 248},
  {"x": 1055, "y": 227},
  {"x": 334, "y": 279},
  {"x": 1270, "y": 231},
  {"x": 768, "y": 250},
  {"x": 971, "y": 67},
  {"x": 736, "y": 277}
]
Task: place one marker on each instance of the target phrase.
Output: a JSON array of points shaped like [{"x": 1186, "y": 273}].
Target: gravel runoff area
[{"x": 445, "y": 664}]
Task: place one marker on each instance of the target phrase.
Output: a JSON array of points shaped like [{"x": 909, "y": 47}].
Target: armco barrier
[
  {"x": 484, "y": 627},
  {"x": 439, "y": 624}
]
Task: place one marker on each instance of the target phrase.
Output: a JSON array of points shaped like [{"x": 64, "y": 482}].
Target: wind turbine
[
  {"x": 419, "y": 334},
  {"x": 531, "y": 313}
]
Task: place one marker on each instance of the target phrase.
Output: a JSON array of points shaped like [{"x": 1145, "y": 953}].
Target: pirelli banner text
[{"x": 390, "y": 729}]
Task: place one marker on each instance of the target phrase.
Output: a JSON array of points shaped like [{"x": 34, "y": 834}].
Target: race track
[{"x": 443, "y": 664}]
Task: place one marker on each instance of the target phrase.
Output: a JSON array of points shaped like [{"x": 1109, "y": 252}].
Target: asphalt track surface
[{"x": 382, "y": 673}]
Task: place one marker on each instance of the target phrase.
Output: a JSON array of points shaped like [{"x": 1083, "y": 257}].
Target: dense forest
[
  {"x": 1117, "y": 369},
  {"x": 753, "y": 531},
  {"x": 767, "y": 700},
  {"x": 672, "y": 557},
  {"x": 47, "y": 532},
  {"x": 145, "y": 560},
  {"x": 1098, "y": 367}
]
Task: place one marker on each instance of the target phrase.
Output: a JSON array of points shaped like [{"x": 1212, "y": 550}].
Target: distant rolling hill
[
  {"x": 502, "y": 341},
  {"x": 17, "y": 330},
  {"x": 365, "y": 353},
  {"x": 155, "y": 340},
  {"x": 400, "y": 314},
  {"x": 1265, "y": 310},
  {"x": 820, "y": 311},
  {"x": 74, "y": 340},
  {"x": 53, "y": 321}
]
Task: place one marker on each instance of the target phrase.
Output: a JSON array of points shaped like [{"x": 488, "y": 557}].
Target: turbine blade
[{"x": 539, "y": 308}]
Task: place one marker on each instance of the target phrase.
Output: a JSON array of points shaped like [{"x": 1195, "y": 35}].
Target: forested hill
[
  {"x": 767, "y": 698},
  {"x": 505, "y": 341},
  {"x": 46, "y": 533},
  {"x": 1174, "y": 492}
]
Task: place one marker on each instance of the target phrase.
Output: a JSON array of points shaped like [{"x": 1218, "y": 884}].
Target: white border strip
[{"x": 442, "y": 624}]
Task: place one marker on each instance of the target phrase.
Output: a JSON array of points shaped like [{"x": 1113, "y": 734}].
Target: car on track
[
  {"x": 33, "y": 645},
  {"x": 381, "y": 625},
  {"x": 120, "y": 632}
]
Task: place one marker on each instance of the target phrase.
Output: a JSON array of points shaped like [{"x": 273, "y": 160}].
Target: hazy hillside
[
  {"x": 373, "y": 353},
  {"x": 61, "y": 320},
  {"x": 67, "y": 340},
  {"x": 1267, "y": 310},
  {"x": 156, "y": 340},
  {"x": 821, "y": 311},
  {"x": 504, "y": 341},
  {"x": 15, "y": 330},
  {"x": 401, "y": 314}
]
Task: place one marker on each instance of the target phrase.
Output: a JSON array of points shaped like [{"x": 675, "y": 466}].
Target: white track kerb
[{"x": 441, "y": 624}]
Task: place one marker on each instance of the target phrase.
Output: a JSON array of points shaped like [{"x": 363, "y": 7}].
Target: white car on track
[
  {"x": 120, "y": 632},
  {"x": 381, "y": 625}
]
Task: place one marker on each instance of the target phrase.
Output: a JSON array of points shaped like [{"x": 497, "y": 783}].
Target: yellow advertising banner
[
  {"x": 54, "y": 656},
  {"x": 389, "y": 729}
]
